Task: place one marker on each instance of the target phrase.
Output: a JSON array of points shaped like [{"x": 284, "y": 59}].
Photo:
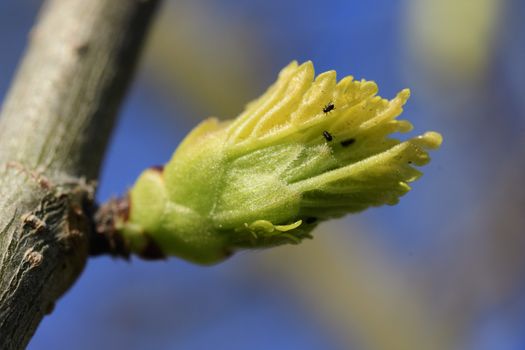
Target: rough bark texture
[{"x": 54, "y": 128}]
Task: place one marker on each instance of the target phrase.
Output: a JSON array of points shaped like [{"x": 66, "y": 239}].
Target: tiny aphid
[
  {"x": 310, "y": 220},
  {"x": 327, "y": 136},
  {"x": 348, "y": 142},
  {"x": 329, "y": 107}
]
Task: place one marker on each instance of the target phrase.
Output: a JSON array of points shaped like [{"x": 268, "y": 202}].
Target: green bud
[{"x": 306, "y": 151}]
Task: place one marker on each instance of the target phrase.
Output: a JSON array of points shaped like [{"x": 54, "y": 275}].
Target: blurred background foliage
[{"x": 444, "y": 269}]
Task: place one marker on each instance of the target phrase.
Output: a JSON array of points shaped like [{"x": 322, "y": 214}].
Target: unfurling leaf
[{"x": 307, "y": 150}]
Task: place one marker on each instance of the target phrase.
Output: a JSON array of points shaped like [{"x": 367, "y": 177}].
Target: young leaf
[{"x": 307, "y": 150}]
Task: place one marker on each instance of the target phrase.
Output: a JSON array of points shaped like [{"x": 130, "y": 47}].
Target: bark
[{"x": 54, "y": 128}]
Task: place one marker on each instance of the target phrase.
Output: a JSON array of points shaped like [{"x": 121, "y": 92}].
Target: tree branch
[{"x": 54, "y": 128}]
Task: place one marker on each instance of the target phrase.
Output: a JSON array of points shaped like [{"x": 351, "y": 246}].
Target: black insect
[
  {"x": 348, "y": 142},
  {"x": 310, "y": 220},
  {"x": 327, "y": 136},
  {"x": 329, "y": 107}
]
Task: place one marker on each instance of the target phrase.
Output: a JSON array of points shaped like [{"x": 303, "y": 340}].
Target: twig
[{"x": 54, "y": 128}]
